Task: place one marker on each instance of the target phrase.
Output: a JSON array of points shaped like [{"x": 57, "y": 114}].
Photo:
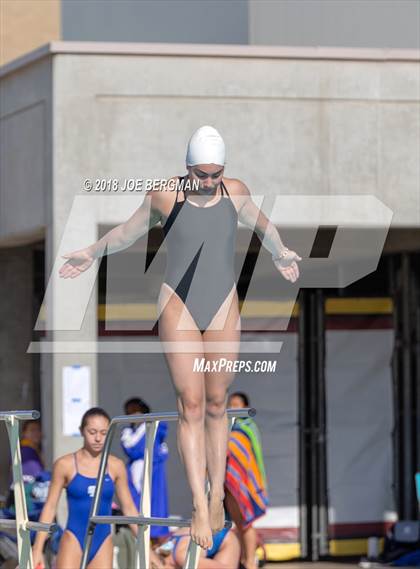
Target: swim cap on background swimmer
[{"x": 206, "y": 146}]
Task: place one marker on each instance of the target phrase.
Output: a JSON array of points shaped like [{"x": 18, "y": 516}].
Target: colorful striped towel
[{"x": 245, "y": 473}]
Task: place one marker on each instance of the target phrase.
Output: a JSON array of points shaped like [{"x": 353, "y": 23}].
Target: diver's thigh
[
  {"x": 183, "y": 350},
  {"x": 222, "y": 347}
]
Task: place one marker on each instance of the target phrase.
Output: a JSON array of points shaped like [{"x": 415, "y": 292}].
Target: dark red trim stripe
[
  {"x": 355, "y": 322},
  {"x": 121, "y": 328},
  {"x": 279, "y": 535},
  {"x": 335, "y": 531},
  {"x": 358, "y": 530},
  {"x": 257, "y": 326}
]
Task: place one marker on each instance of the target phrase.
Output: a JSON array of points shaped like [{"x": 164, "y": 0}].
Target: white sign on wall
[{"x": 76, "y": 397}]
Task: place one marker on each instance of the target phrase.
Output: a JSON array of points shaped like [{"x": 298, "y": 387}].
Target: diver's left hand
[{"x": 288, "y": 266}]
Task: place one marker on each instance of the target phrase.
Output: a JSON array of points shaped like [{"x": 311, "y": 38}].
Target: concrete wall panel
[
  {"x": 291, "y": 126},
  {"x": 23, "y": 176}
]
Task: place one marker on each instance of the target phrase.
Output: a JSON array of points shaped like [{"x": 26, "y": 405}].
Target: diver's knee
[
  {"x": 216, "y": 406},
  {"x": 191, "y": 409}
]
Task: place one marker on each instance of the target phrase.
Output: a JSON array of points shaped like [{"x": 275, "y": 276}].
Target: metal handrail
[
  {"x": 7, "y": 523},
  {"x": 142, "y": 521},
  {"x": 20, "y": 415},
  {"x": 173, "y": 416},
  {"x": 145, "y": 520}
]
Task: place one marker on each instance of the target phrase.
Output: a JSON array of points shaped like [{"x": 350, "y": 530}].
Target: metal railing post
[
  {"x": 143, "y": 535},
  {"x": 21, "y": 512},
  {"x": 22, "y": 524},
  {"x": 192, "y": 557}
]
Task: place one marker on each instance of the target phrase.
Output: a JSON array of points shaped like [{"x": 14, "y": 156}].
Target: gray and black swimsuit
[{"x": 200, "y": 245}]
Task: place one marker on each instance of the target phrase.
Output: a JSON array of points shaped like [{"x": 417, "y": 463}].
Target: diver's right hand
[{"x": 77, "y": 263}]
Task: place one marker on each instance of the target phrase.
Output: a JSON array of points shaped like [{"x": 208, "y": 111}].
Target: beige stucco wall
[{"x": 27, "y": 24}]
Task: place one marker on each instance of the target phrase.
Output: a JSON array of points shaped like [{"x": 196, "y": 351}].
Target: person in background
[
  {"x": 30, "y": 448},
  {"x": 33, "y": 471},
  {"x": 246, "y": 496},
  {"x": 77, "y": 473},
  {"x": 224, "y": 554},
  {"x": 133, "y": 442}
]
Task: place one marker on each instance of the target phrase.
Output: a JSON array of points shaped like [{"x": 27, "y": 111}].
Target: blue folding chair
[{"x": 417, "y": 478}]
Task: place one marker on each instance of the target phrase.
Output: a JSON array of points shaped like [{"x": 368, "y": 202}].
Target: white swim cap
[{"x": 206, "y": 146}]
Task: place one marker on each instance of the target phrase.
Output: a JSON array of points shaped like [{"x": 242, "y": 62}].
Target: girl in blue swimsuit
[{"x": 77, "y": 473}]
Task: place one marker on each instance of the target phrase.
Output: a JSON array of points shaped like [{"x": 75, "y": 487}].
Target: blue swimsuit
[
  {"x": 210, "y": 553},
  {"x": 80, "y": 492}
]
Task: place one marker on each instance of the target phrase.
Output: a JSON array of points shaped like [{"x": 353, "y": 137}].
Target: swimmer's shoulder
[
  {"x": 164, "y": 194},
  {"x": 237, "y": 190},
  {"x": 116, "y": 466},
  {"x": 65, "y": 460},
  {"x": 65, "y": 466}
]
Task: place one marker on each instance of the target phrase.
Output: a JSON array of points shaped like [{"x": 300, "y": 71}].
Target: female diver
[{"x": 198, "y": 303}]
